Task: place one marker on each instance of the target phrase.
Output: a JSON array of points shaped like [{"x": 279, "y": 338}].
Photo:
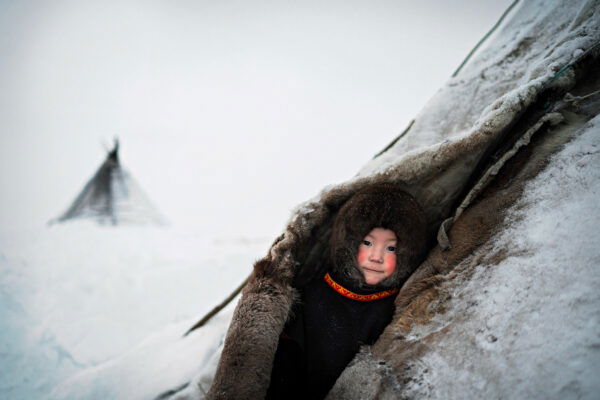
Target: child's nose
[{"x": 376, "y": 255}]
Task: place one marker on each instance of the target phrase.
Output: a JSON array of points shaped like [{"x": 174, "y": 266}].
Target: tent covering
[{"x": 467, "y": 158}]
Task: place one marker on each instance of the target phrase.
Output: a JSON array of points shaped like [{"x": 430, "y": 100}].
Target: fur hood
[{"x": 378, "y": 206}]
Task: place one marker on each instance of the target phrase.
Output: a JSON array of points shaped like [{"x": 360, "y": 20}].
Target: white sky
[{"x": 229, "y": 113}]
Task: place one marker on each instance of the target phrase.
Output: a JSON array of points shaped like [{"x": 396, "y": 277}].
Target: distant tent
[{"x": 112, "y": 197}]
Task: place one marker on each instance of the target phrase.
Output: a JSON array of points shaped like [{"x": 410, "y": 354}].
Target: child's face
[{"x": 376, "y": 256}]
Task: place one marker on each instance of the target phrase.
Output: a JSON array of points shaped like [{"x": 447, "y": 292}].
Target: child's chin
[{"x": 372, "y": 280}]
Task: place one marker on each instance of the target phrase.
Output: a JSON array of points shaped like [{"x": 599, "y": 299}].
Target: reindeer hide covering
[{"x": 514, "y": 87}]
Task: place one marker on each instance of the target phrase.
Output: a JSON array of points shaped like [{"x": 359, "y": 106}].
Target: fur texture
[
  {"x": 384, "y": 206},
  {"x": 245, "y": 365},
  {"x": 381, "y": 371},
  {"x": 328, "y": 329},
  {"x": 424, "y": 294}
]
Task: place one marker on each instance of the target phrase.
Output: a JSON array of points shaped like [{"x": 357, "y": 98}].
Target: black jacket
[{"x": 327, "y": 330}]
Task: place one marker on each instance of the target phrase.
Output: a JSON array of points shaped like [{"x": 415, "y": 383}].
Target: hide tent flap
[
  {"x": 113, "y": 197},
  {"x": 528, "y": 93}
]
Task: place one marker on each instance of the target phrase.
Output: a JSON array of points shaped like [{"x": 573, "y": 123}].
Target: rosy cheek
[
  {"x": 390, "y": 262},
  {"x": 362, "y": 255}
]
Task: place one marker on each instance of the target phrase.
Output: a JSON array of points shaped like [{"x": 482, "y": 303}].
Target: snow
[
  {"x": 164, "y": 354},
  {"x": 80, "y": 303},
  {"x": 529, "y": 327}
]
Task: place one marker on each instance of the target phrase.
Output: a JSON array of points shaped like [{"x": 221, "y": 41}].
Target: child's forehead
[{"x": 381, "y": 233}]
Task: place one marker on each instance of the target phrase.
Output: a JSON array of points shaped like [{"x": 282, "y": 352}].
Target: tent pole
[{"x": 218, "y": 308}]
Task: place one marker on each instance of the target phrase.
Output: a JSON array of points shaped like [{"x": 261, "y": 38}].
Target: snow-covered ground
[{"x": 78, "y": 297}]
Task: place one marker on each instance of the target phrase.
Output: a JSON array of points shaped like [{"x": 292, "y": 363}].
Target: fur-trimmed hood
[{"x": 378, "y": 206}]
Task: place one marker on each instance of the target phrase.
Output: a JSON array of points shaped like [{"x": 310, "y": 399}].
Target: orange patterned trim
[{"x": 360, "y": 297}]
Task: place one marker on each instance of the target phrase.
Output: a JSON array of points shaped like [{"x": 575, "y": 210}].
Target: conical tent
[
  {"x": 112, "y": 196},
  {"x": 466, "y": 159}
]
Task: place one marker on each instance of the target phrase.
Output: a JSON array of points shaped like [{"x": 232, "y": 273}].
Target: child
[{"x": 377, "y": 240}]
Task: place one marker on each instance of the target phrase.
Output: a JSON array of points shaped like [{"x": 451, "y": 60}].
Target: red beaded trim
[{"x": 360, "y": 297}]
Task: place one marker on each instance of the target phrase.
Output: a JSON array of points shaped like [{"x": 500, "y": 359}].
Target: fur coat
[{"x": 339, "y": 312}]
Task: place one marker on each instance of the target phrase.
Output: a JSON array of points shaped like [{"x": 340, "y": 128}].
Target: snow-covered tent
[
  {"x": 468, "y": 159},
  {"x": 112, "y": 196}
]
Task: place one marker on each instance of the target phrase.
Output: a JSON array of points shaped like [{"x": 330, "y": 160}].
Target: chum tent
[
  {"x": 113, "y": 197},
  {"x": 468, "y": 159}
]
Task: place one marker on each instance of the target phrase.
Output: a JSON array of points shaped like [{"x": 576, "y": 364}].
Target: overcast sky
[{"x": 230, "y": 113}]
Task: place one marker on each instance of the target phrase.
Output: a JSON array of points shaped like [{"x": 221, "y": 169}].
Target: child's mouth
[{"x": 372, "y": 270}]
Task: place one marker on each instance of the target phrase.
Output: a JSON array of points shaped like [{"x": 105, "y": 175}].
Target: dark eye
[
  {"x": 366, "y": 242},
  {"x": 391, "y": 248}
]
